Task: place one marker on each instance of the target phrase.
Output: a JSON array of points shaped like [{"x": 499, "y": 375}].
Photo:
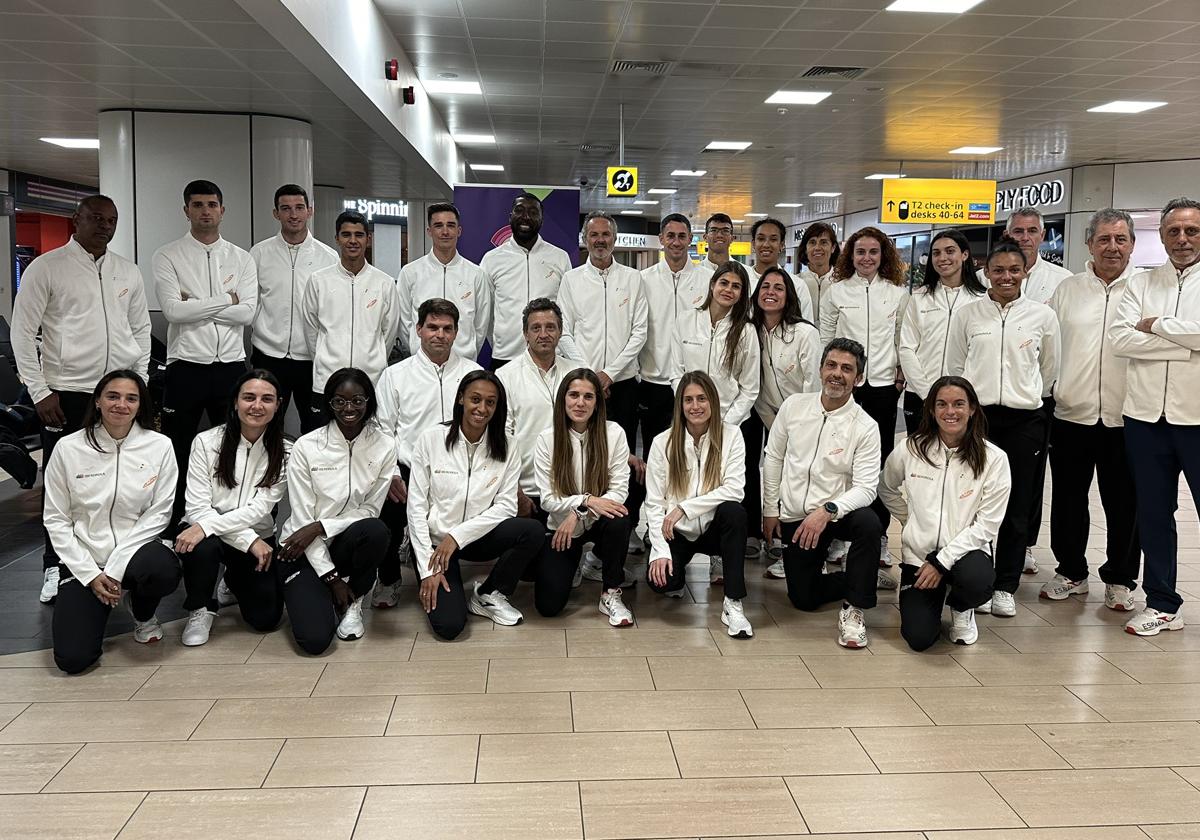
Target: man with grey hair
[
  {"x": 1087, "y": 433},
  {"x": 1157, "y": 329}
]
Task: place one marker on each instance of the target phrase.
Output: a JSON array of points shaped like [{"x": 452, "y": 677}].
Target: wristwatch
[
  {"x": 582, "y": 510},
  {"x": 830, "y": 508}
]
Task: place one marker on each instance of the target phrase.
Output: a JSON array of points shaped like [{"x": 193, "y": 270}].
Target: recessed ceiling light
[
  {"x": 824, "y": 194},
  {"x": 975, "y": 150},
  {"x": 469, "y": 88},
  {"x": 487, "y": 167},
  {"x": 788, "y": 204},
  {"x": 632, "y": 212},
  {"x": 73, "y": 142},
  {"x": 660, "y": 191},
  {"x": 645, "y": 201},
  {"x": 796, "y": 97},
  {"x": 738, "y": 221},
  {"x": 728, "y": 145},
  {"x": 1125, "y": 106},
  {"x": 943, "y": 7},
  {"x": 756, "y": 215},
  {"x": 447, "y": 75},
  {"x": 689, "y": 173},
  {"x": 474, "y": 138},
  {"x": 880, "y": 176}
]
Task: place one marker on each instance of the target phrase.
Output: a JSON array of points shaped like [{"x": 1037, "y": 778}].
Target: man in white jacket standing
[
  {"x": 285, "y": 262},
  {"x": 446, "y": 274},
  {"x": 718, "y": 235},
  {"x": 520, "y": 269},
  {"x": 1158, "y": 330},
  {"x": 90, "y": 305},
  {"x": 208, "y": 290}
]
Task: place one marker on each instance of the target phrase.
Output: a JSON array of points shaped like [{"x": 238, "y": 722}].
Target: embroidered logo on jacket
[
  {"x": 150, "y": 482},
  {"x": 123, "y": 292},
  {"x": 966, "y": 494}
]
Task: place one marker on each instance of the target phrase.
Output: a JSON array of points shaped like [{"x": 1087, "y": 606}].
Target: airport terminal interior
[{"x": 1056, "y": 724}]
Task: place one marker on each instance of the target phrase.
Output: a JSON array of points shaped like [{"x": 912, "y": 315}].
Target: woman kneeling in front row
[
  {"x": 109, "y": 491},
  {"x": 694, "y": 482},
  {"x": 956, "y": 487},
  {"x": 462, "y": 505}
]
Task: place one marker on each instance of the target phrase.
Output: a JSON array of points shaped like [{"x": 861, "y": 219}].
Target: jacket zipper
[
  {"x": 1100, "y": 377},
  {"x": 467, "y": 494},
  {"x": 353, "y": 307},
  {"x": 212, "y": 291},
  {"x": 1167, "y": 368},
  {"x": 242, "y": 484},
  {"x": 104, "y": 309},
  {"x": 1003, "y": 325},
  {"x": 292, "y": 305},
  {"x": 604, "y": 283},
  {"x": 116, "y": 492},
  {"x": 946, "y": 338},
  {"x": 441, "y": 393},
  {"x": 813, "y": 460},
  {"x": 349, "y": 477},
  {"x": 867, "y": 379},
  {"x": 942, "y": 501}
]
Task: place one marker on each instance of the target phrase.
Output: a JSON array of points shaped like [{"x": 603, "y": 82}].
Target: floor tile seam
[
  {"x": 1051, "y": 746},
  {"x": 358, "y": 812},
  {"x": 212, "y": 705},
  {"x": 674, "y": 755},
  {"x": 50, "y": 781},
  {"x": 144, "y": 683},
  {"x": 28, "y": 706},
  {"x": 983, "y": 775},
  {"x": 1126, "y": 673},
  {"x": 796, "y": 805},
  {"x": 1195, "y": 785},
  {"x": 866, "y": 752},
  {"x": 282, "y": 744},
  {"x": 132, "y": 814},
  {"x": 1086, "y": 703}
]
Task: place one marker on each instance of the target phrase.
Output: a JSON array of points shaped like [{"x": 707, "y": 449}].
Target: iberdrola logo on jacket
[{"x": 372, "y": 302}]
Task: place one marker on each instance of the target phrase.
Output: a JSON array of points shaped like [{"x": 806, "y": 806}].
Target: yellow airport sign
[
  {"x": 622, "y": 181},
  {"x": 736, "y": 249},
  {"x": 937, "y": 201}
]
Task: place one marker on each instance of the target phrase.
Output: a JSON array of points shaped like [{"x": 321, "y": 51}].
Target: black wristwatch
[
  {"x": 582, "y": 510},
  {"x": 830, "y": 508}
]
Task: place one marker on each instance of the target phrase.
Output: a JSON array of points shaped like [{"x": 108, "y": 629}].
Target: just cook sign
[{"x": 1041, "y": 194}]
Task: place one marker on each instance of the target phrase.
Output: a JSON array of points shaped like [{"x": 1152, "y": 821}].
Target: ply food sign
[{"x": 937, "y": 201}]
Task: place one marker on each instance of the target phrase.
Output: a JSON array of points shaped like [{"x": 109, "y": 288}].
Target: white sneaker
[
  {"x": 1149, "y": 622},
  {"x": 776, "y": 570},
  {"x": 145, "y": 632},
  {"x": 716, "y": 570},
  {"x": 351, "y": 626},
  {"x": 592, "y": 568},
  {"x": 962, "y": 629},
  {"x": 49, "y": 585},
  {"x": 1004, "y": 604},
  {"x": 1059, "y": 588},
  {"x": 1031, "y": 566},
  {"x": 852, "y": 628},
  {"x": 734, "y": 619},
  {"x": 885, "y": 559},
  {"x": 613, "y": 607},
  {"x": 225, "y": 596},
  {"x": 985, "y": 608},
  {"x": 1118, "y": 597},
  {"x": 385, "y": 595},
  {"x": 493, "y": 605},
  {"x": 199, "y": 625},
  {"x": 884, "y": 580},
  {"x": 838, "y": 549}
]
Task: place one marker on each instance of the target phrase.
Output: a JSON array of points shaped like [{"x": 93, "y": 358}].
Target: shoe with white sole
[
  {"x": 775, "y": 551},
  {"x": 637, "y": 546},
  {"x": 351, "y": 626},
  {"x": 675, "y": 593},
  {"x": 1059, "y": 588},
  {"x": 1004, "y": 604},
  {"x": 852, "y": 628},
  {"x": 734, "y": 619},
  {"x": 225, "y": 596},
  {"x": 592, "y": 568},
  {"x": 1118, "y": 597},
  {"x": 885, "y": 559},
  {"x": 49, "y": 585},
  {"x": 385, "y": 595},
  {"x": 493, "y": 605},
  {"x": 613, "y": 607},
  {"x": 776, "y": 570},
  {"x": 985, "y": 608},
  {"x": 753, "y": 548},
  {"x": 884, "y": 580},
  {"x": 198, "y": 627},
  {"x": 1031, "y": 566},
  {"x": 145, "y": 632},
  {"x": 716, "y": 570},
  {"x": 962, "y": 630},
  {"x": 838, "y": 549},
  {"x": 1150, "y": 622}
]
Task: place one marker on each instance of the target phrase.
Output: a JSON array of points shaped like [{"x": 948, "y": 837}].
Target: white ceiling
[{"x": 1012, "y": 73}]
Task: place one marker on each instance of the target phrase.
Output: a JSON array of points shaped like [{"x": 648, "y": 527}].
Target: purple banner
[{"x": 484, "y": 209}]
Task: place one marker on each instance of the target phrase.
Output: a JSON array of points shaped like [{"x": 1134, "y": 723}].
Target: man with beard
[{"x": 520, "y": 269}]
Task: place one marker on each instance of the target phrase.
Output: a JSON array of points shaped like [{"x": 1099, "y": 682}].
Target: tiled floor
[{"x": 1056, "y": 726}]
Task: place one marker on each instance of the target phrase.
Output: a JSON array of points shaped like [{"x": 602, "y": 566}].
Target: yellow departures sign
[{"x": 938, "y": 201}]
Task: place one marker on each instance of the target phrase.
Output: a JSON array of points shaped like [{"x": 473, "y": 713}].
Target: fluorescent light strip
[
  {"x": 688, "y": 173},
  {"x": 644, "y": 201},
  {"x": 797, "y": 97},
  {"x": 632, "y": 212},
  {"x": 824, "y": 194},
  {"x": 487, "y": 167},
  {"x": 660, "y": 191},
  {"x": 975, "y": 150},
  {"x": 756, "y": 215},
  {"x": 440, "y": 86},
  {"x": 1125, "y": 106},
  {"x": 475, "y": 138},
  {"x": 729, "y": 145},
  {"x": 789, "y": 205},
  {"x": 881, "y": 176},
  {"x": 739, "y": 221},
  {"x": 939, "y": 7},
  {"x": 72, "y": 142}
]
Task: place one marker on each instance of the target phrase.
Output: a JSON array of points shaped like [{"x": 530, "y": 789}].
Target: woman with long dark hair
[
  {"x": 235, "y": 479},
  {"x": 581, "y": 465},
  {"x": 819, "y": 252},
  {"x": 109, "y": 491},
  {"x": 955, "y": 489},
  {"x": 334, "y": 540},
  {"x": 949, "y": 285},
  {"x": 462, "y": 505},
  {"x": 791, "y": 358},
  {"x": 694, "y": 482}
]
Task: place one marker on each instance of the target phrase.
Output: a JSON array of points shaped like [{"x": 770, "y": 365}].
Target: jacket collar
[
  {"x": 455, "y": 261},
  {"x": 1129, "y": 271}
]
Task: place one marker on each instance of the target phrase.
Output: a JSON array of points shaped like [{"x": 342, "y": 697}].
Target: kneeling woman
[
  {"x": 333, "y": 541},
  {"x": 235, "y": 479},
  {"x": 694, "y": 482},
  {"x": 956, "y": 487},
  {"x": 462, "y": 505},
  {"x": 109, "y": 491},
  {"x": 581, "y": 465}
]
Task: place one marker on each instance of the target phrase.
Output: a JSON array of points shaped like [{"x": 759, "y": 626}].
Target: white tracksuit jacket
[
  {"x": 944, "y": 507},
  {"x": 791, "y": 362},
  {"x": 459, "y": 281},
  {"x": 1163, "y": 376},
  {"x": 1091, "y": 377},
  {"x": 337, "y": 482},
  {"x": 699, "y": 345},
  {"x": 808, "y": 307},
  {"x": 814, "y": 456},
  {"x": 604, "y": 318},
  {"x": 698, "y": 507},
  {"x": 1041, "y": 281},
  {"x": 101, "y": 507},
  {"x": 518, "y": 276},
  {"x": 93, "y": 317},
  {"x": 414, "y": 395},
  {"x": 1010, "y": 353},
  {"x": 558, "y": 507},
  {"x": 870, "y": 312},
  {"x": 207, "y": 327},
  {"x": 241, "y": 514},
  {"x": 925, "y": 334},
  {"x": 817, "y": 285},
  {"x": 283, "y": 274},
  {"x": 531, "y": 393},
  {"x": 669, "y": 296},
  {"x": 349, "y": 321},
  {"x": 464, "y": 492}
]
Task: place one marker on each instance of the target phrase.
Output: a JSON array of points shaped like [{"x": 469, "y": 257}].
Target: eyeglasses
[
  {"x": 338, "y": 403},
  {"x": 720, "y": 231}
]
